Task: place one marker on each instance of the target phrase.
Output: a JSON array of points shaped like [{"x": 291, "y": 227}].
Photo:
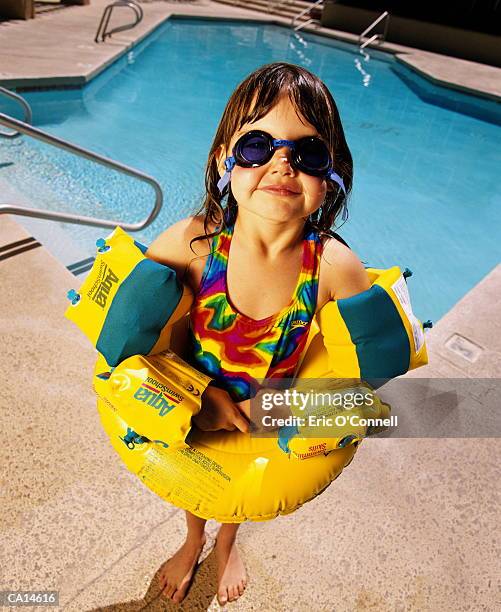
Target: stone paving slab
[
  {"x": 60, "y": 518},
  {"x": 461, "y": 74},
  {"x": 58, "y": 48},
  {"x": 404, "y": 528}
]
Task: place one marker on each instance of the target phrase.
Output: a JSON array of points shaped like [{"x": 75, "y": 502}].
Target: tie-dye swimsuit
[{"x": 235, "y": 349}]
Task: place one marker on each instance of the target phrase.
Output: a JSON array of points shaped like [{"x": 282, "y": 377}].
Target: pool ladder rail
[
  {"x": 23, "y": 127},
  {"x": 28, "y": 115},
  {"x": 375, "y": 37},
  {"x": 306, "y": 12},
  {"x": 102, "y": 30}
]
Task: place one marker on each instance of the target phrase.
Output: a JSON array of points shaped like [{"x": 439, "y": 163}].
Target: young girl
[{"x": 260, "y": 264}]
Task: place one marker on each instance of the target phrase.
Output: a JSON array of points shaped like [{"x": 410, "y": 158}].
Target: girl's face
[{"x": 250, "y": 186}]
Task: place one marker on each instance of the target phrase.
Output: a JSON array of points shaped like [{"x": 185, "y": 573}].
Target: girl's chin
[
  {"x": 275, "y": 208},
  {"x": 278, "y": 214}
]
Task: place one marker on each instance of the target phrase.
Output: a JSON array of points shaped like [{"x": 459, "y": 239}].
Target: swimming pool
[{"x": 426, "y": 158}]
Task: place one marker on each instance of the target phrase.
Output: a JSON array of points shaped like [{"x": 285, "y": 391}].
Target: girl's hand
[
  {"x": 256, "y": 417},
  {"x": 219, "y": 411}
]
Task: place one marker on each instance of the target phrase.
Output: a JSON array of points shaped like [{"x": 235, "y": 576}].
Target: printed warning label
[
  {"x": 402, "y": 293},
  {"x": 186, "y": 477}
]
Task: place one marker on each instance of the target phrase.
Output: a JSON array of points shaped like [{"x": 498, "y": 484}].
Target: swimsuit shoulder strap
[
  {"x": 217, "y": 261},
  {"x": 313, "y": 248}
]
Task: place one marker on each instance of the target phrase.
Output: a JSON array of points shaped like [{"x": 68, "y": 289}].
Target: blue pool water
[{"x": 426, "y": 159}]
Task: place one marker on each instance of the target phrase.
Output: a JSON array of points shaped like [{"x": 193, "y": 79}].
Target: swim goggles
[{"x": 309, "y": 155}]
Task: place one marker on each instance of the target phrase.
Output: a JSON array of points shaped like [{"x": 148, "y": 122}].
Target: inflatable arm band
[
  {"x": 338, "y": 420},
  {"x": 156, "y": 396},
  {"x": 128, "y": 302},
  {"x": 372, "y": 335}
]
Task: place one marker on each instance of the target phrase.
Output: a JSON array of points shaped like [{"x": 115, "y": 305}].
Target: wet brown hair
[{"x": 312, "y": 99}]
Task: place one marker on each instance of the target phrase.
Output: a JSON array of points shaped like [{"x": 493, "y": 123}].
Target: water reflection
[{"x": 366, "y": 77}]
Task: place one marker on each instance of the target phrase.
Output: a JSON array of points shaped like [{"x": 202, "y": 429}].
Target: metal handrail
[
  {"x": 381, "y": 37},
  {"x": 28, "y": 115},
  {"x": 105, "y": 19},
  {"x": 29, "y": 130},
  {"x": 370, "y": 40},
  {"x": 302, "y": 13}
]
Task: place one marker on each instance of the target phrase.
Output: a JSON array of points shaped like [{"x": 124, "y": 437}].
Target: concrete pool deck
[{"x": 58, "y": 48}]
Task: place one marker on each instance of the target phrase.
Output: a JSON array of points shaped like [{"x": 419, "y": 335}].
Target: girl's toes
[
  {"x": 223, "y": 597},
  {"x": 241, "y": 587},
  {"x": 178, "y": 596}
]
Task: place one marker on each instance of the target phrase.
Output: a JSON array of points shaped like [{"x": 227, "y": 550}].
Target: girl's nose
[{"x": 282, "y": 160}]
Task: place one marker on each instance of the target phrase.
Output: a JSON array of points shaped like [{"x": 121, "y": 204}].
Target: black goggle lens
[
  {"x": 254, "y": 148},
  {"x": 309, "y": 154},
  {"x": 314, "y": 155}
]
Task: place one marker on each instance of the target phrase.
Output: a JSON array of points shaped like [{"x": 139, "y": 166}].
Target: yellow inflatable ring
[{"x": 227, "y": 476}]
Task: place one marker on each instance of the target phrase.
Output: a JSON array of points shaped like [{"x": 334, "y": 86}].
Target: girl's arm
[
  {"x": 342, "y": 271},
  {"x": 171, "y": 248}
]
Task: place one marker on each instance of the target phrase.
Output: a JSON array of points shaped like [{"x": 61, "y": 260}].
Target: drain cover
[{"x": 464, "y": 348}]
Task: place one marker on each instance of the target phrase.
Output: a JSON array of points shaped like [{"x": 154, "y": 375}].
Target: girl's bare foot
[
  {"x": 231, "y": 575},
  {"x": 176, "y": 573}
]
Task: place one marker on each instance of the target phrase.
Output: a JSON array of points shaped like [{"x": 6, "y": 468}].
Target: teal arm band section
[{"x": 142, "y": 306}]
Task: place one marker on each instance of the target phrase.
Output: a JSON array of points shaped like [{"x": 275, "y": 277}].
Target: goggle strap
[
  {"x": 223, "y": 181},
  {"x": 284, "y": 143},
  {"x": 337, "y": 179},
  {"x": 229, "y": 164}
]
